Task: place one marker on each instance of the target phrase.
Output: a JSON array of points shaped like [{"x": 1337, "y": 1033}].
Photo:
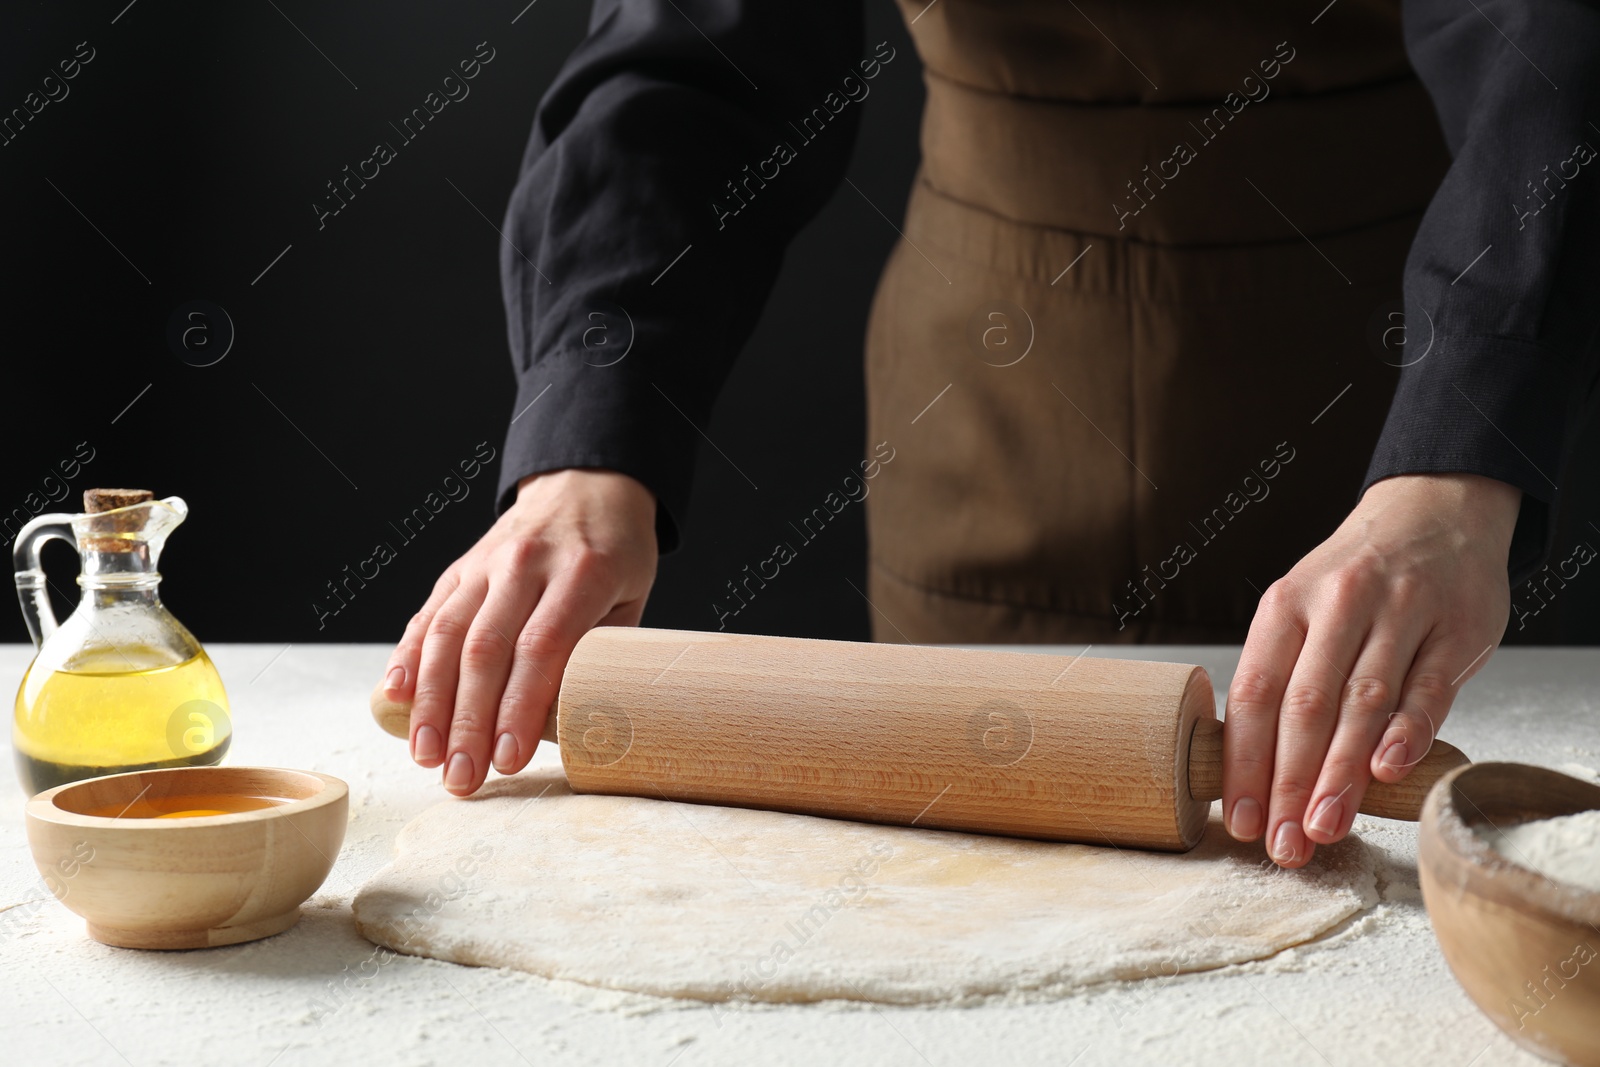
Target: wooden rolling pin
[{"x": 1101, "y": 751}]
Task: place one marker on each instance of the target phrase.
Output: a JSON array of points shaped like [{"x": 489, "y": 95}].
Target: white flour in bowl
[{"x": 1564, "y": 849}]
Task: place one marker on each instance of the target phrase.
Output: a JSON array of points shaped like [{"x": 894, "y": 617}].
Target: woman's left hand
[{"x": 1355, "y": 655}]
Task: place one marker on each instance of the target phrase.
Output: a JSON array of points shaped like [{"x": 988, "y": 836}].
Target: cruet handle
[{"x": 32, "y": 588}]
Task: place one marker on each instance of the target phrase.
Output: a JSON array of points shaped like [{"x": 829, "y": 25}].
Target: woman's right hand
[{"x": 482, "y": 661}]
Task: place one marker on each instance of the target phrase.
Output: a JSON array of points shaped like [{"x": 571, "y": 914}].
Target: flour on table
[
  {"x": 1564, "y": 849},
  {"x": 1578, "y": 770},
  {"x": 711, "y": 903}
]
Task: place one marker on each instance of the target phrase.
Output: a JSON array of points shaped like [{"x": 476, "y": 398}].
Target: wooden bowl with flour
[
  {"x": 188, "y": 857},
  {"x": 1506, "y": 856}
]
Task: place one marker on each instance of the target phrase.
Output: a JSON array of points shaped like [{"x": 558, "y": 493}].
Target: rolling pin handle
[
  {"x": 1387, "y": 800},
  {"x": 395, "y": 717}
]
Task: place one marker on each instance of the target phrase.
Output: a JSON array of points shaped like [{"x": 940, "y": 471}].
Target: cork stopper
[
  {"x": 97, "y": 500},
  {"x": 118, "y": 533}
]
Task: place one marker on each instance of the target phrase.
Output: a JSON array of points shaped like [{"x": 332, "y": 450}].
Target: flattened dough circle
[{"x": 711, "y": 903}]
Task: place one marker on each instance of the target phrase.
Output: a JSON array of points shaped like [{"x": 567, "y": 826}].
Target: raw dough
[{"x": 685, "y": 900}]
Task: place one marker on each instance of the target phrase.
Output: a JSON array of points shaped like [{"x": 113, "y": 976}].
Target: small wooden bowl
[
  {"x": 1525, "y": 948},
  {"x": 191, "y": 882}
]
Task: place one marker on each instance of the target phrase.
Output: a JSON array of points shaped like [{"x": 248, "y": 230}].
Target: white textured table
[{"x": 1376, "y": 990}]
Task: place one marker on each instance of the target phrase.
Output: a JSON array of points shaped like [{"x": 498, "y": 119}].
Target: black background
[{"x": 371, "y": 357}]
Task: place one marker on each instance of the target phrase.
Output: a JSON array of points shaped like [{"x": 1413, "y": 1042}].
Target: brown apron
[{"x": 1103, "y": 357}]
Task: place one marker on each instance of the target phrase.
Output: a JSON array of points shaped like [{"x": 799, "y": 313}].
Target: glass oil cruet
[{"x": 120, "y": 685}]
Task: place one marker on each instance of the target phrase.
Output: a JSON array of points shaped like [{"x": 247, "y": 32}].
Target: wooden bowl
[
  {"x": 178, "y": 883},
  {"x": 1525, "y": 948}
]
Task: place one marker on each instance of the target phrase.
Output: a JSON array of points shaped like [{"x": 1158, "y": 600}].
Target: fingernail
[
  {"x": 425, "y": 747},
  {"x": 395, "y": 679},
  {"x": 1245, "y": 822},
  {"x": 1327, "y": 816},
  {"x": 1394, "y": 757},
  {"x": 1286, "y": 842},
  {"x": 458, "y": 775},
  {"x": 505, "y": 753}
]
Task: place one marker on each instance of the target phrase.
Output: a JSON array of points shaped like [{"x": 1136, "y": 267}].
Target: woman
[{"x": 1118, "y": 356}]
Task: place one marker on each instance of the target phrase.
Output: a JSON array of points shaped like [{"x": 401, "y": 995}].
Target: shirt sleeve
[
  {"x": 680, "y": 148},
  {"x": 1501, "y": 281}
]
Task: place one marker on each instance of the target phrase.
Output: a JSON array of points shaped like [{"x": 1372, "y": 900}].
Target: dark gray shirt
[{"x": 636, "y": 137}]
